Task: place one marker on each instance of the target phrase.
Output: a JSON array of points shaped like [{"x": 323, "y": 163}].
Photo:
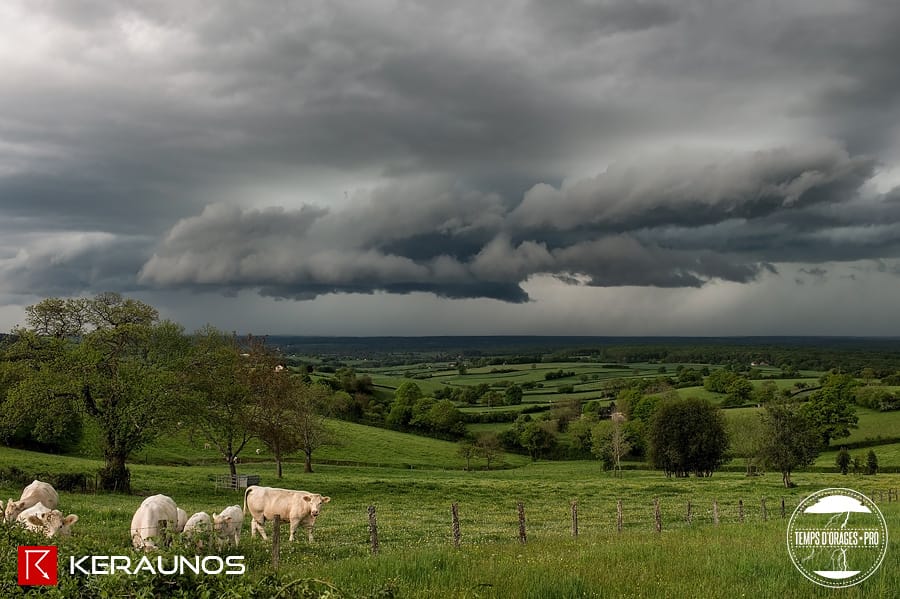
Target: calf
[
  {"x": 300, "y": 508},
  {"x": 35, "y": 493},
  {"x": 228, "y": 524},
  {"x": 145, "y": 523},
  {"x": 40, "y": 518}
]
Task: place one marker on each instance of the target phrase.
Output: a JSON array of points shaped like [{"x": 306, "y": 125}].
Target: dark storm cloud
[
  {"x": 626, "y": 226},
  {"x": 604, "y": 142}
]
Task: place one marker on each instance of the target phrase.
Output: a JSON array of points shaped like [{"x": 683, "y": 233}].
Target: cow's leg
[
  {"x": 294, "y": 525},
  {"x": 309, "y": 531},
  {"x": 261, "y": 528}
]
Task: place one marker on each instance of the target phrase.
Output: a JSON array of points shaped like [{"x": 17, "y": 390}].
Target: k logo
[{"x": 37, "y": 565}]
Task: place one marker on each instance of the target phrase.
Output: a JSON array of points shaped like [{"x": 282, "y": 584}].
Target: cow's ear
[
  {"x": 70, "y": 520},
  {"x": 326, "y": 499},
  {"x": 36, "y": 520},
  {"x": 227, "y": 518},
  {"x": 307, "y": 498}
]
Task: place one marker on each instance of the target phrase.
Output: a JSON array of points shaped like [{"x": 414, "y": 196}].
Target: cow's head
[
  {"x": 53, "y": 523},
  {"x": 13, "y": 509},
  {"x": 316, "y": 502},
  {"x": 220, "y": 521}
]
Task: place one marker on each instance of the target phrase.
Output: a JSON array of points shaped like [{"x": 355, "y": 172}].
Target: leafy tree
[
  {"x": 719, "y": 380},
  {"x": 310, "y": 406},
  {"x": 831, "y": 408},
  {"x": 32, "y": 415},
  {"x": 843, "y": 460},
  {"x": 513, "y": 395},
  {"x": 222, "y": 377},
  {"x": 438, "y": 416},
  {"x": 767, "y": 392},
  {"x": 405, "y": 397},
  {"x": 739, "y": 391},
  {"x": 291, "y": 412},
  {"x": 537, "y": 438},
  {"x": 871, "y": 462},
  {"x": 461, "y": 369},
  {"x": 466, "y": 450},
  {"x": 115, "y": 358},
  {"x": 610, "y": 442},
  {"x": 746, "y": 433},
  {"x": 792, "y": 439},
  {"x": 489, "y": 447},
  {"x": 687, "y": 436},
  {"x": 626, "y": 401}
]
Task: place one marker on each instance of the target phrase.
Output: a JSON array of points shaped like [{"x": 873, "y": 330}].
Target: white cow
[
  {"x": 182, "y": 519},
  {"x": 40, "y": 518},
  {"x": 145, "y": 523},
  {"x": 198, "y": 528},
  {"x": 36, "y": 492},
  {"x": 297, "y": 507},
  {"x": 228, "y": 524},
  {"x": 198, "y": 523}
]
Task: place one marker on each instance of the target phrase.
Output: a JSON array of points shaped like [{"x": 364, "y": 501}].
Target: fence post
[
  {"x": 454, "y": 511},
  {"x": 782, "y": 508},
  {"x": 521, "y": 508},
  {"x": 619, "y": 515},
  {"x": 575, "y": 518},
  {"x": 690, "y": 516},
  {"x": 373, "y": 530},
  {"x": 715, "y": 512},
  {"x": 765, "y": 514},
  {"x": 276, "y": 542},
  {"x": 741, "y": 510},
  {"x": 656, "y": 515}
]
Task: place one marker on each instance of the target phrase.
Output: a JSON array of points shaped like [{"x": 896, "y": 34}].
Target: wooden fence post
[
  {"x": 619, "y": 515},
  {"x": 521, "y": 508},
  {"x": 373, "y": 530},
  {"x": 715, "y": 512},
  {"x": 741, "y": 510},
  {"x": 454, "y": 511},
  {"x": 765, "y": 514},
  {"x": 575, "y": 518},
  {"x": 276, "y": 542},
  {"x": 656, "y": 515},
  {"x": 782, "y": 508},
  {"x": 690, "y": 516}
]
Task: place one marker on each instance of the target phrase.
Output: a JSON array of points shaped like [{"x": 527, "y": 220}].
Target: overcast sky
[{"x": 620, "y": 167}]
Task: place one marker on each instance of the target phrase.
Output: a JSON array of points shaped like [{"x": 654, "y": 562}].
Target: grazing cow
[
  {"x": 182, "y": 519},
  {"x": 199, "y": 522},
  {"x": 297, "y": 507},
  {"x": 145, "y": 523},
  {"x": 200, "y": 526},
  {"x": 40, "y": 518},
  {"x": 36, "y": 492},
  {"x": 228, "y": 524}
]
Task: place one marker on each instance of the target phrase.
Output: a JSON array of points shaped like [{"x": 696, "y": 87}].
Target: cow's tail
[{"x": 247, "y": 492}]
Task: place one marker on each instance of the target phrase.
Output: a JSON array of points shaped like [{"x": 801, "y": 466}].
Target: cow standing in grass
[
  {"x": 300, "y": 508},
  {"x": 228, "y": 524}
]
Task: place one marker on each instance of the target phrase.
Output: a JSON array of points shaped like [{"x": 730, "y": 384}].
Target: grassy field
[{"x": 417, "y": 558}]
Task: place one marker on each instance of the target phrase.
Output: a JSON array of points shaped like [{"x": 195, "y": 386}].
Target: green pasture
[{"x": 417, "y": 558}]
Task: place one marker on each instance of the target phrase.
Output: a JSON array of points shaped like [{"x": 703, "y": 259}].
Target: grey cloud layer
[
  {"x": 477, "y": 124},
  {"x": 626, "y": 226}
]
